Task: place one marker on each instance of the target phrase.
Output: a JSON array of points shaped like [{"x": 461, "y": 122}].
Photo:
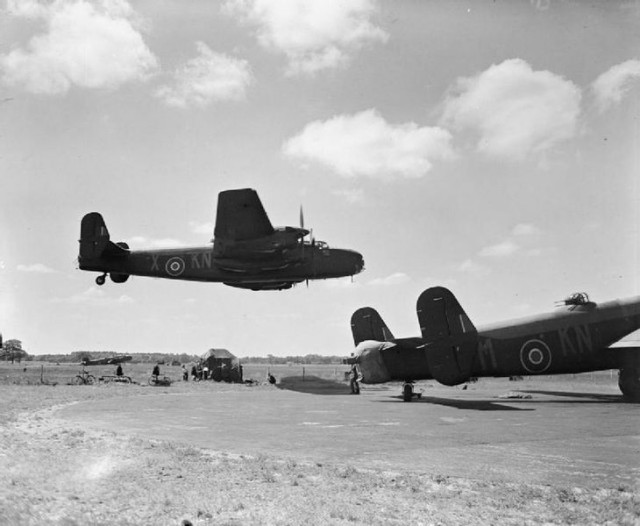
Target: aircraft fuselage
[
  {"x": 572, "y": 340},
  {"x": 200, "y": 264}
]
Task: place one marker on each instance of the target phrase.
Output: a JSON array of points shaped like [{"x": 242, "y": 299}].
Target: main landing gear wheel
[
  {"x": 101, "y": 279},
  {"x": 629, "y": 383}
]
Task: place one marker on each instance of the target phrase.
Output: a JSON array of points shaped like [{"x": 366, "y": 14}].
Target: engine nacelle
[{"x": 118, "y": 277}]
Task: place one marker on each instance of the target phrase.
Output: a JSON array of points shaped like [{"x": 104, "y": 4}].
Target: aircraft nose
[{"x": 358, "y": 262}]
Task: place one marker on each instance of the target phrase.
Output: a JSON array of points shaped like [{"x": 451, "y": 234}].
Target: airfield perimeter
[{"x": 568, "y": 454}]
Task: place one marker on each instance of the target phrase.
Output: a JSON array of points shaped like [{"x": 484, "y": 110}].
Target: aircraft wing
[{"x": 241, "y": 216}]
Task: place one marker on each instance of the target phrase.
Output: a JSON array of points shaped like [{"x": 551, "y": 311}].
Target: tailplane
[
  {"x": 451, "y": 340},
  {"x": 95, "y": 242},
  {"x": 366, "y": 324}
]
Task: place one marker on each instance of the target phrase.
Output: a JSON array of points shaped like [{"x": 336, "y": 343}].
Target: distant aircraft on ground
[
  {"x": 112, "y": 360},
  {"x": 579, "y": 337},
  {"x": 247, "y": 251}
]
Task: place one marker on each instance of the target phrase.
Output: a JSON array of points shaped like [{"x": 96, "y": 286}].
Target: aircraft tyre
[
  {"x": 629, "y": 383},
  {"x": 101, "y": 279},
  {"x": 407, "y": 392}
]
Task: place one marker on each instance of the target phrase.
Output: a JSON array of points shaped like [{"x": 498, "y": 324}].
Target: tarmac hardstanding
[{"x": 572, "y": 437}]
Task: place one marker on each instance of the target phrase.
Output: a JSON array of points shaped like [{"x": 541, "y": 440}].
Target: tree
[{"x": 12, "y": 349}]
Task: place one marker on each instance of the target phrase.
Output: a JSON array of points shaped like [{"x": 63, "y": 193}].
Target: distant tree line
[
  {"x": 308, "y": 359},
  {"x": 79, "y": 356}
]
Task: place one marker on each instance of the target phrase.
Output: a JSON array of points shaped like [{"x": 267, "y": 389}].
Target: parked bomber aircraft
[
  {"x": 247, "y": 251},
  {"x": 111, "y": 360},
  {"x": 578, "y": 337}
]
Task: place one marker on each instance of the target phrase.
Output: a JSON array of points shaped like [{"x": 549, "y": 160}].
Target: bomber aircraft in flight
[
  {"x": 247, "y": 251},
  {"x": 580, "y": 336}
]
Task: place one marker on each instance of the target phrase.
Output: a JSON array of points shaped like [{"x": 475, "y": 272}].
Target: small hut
[{"x": 222, "y": 365}]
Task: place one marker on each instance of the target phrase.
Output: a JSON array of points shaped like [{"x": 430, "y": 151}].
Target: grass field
[
  {"x": 55, "y": 473},
  {"x": 36, "y": 373}
]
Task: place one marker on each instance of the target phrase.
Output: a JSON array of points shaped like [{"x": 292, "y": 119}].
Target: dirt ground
[{"x": 61, "y": 471}]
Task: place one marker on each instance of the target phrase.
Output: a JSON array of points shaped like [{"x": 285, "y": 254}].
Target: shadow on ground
[
  {"x": 312, "y": 385},
  {"x": 474, "y": 405},
  {"x": 585, "y": 397}
]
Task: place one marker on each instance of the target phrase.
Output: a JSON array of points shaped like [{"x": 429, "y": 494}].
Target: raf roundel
[
  {"x": 535, "y": 356},
  {"x": 174, "y": 266}
]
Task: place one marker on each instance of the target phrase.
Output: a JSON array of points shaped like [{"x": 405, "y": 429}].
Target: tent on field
[{"x": 222, "y": 365}]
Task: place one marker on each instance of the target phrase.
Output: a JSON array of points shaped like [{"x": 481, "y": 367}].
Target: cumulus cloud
[
  {"x": 515, "y": 110},
  {"x": 365, "y": 144},
  {"x": 472, "y": 267},
  {"x": 85, "y": 44},
  {"x": 609, "y": 88},
  {"x": 525, "y": 233},
  {"x": 201, "y": 228},
  {"x": 36, "y": 268},
  {"x": 95, "y": 296},
  {"x": 207, "y": 78},
  {"x": 525, "y": 229},
  {"x": 506, "y": 248},
  {"x": 313, "y": 35},
  {"x": 352, "y": 196},
  {"x": 145, "y": 242}
]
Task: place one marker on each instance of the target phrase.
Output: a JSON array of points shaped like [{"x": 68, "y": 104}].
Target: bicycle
[
  {"x": 159, "y": 380},
  {"x": 84, "y": 378}
]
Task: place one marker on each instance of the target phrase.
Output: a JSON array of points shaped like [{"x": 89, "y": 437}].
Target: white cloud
[
  {"x": 207, "y": 78},
  {"x": 504, "y": 249},
  {"x": 141, "y": 242},
  {"x": 398, "y": 278},
  {"x": 95, "y": 296},
  {"x": 515, "y": 110},
  {"x": 609, "y": 88},
  {"x": 37, "y": 268},
  {"x": 365, "y": 144},
  {"x": 352, "y": 196},
  {"x": 314, "y": 35},
  {"x": 525, "y": 229},
  {"x": 471, "y": 267},
  {"x": 86, "y": 44},
  {"x": 201, "y": 228}
]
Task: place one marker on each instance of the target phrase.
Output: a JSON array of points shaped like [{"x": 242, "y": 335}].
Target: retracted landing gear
[
  {"x": 101, "y": 279},
  {"x": 407, "y": 392}
]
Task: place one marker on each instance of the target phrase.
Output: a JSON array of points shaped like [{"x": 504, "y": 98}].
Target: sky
[{"x": 488, "y": 147}]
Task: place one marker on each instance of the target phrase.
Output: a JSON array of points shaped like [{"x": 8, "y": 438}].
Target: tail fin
[
  {"x": 94, "y": 239},
  {"x": 366, "y": 324},
  {"x": 451, "y": 339}
]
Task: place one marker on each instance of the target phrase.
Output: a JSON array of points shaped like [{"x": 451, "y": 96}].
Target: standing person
[
  {"x": 353, "y": 380},
  {"x": 194, "y": 372},
  {"x": 119, "y": 370},
  {"x": 185, "y": 374}
]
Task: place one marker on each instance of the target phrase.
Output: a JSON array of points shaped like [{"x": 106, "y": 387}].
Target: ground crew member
[{"x": 353, "y": 380}]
